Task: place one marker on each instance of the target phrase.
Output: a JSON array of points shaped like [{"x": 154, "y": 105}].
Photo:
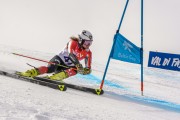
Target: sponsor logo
[
  {"x": 126, "y": 56},
  {"x": 127, "y": 46}
]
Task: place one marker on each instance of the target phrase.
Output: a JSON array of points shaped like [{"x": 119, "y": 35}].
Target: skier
[{"x": 67, "y": 62}]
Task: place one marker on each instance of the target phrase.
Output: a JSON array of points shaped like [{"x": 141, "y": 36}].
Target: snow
[{"x": 122, "y": 100}]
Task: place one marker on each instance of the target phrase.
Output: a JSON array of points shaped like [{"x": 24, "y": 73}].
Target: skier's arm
[
  {"x": 73, "y": 58},
  {"x": 79, "y": 66},
  {"x": 88, "y": 59}
]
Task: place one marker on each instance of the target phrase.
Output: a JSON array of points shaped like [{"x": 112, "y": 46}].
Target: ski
[
  {"x": 62, "y": 86},
  {"x": 58, "y": 86},
  {"x": 73, "y": 86}
]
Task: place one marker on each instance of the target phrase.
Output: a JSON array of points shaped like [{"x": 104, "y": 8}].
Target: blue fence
[{"x": 164, "y": 61}]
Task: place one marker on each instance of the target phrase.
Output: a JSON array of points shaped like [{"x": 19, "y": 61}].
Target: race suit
[{"x": 63, "y": 58}]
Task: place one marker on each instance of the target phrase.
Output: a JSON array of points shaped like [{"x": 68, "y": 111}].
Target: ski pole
[{"x": 41, "y": 60}]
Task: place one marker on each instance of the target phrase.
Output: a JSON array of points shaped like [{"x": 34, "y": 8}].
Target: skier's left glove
[{"x": 86, "y": 71}]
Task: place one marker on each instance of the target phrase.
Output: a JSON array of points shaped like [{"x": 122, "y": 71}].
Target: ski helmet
[{"x": 85, "y": 35}]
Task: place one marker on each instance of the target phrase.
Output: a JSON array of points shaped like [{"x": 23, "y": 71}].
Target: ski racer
[{"x": 67, "y": 62}]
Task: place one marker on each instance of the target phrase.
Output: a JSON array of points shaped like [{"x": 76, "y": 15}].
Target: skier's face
[{"x": 87, "y": 44}]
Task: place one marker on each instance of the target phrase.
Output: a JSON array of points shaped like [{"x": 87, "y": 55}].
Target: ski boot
[
  {"x": 29, "y": 73},
  {"x": 59, "y": 76}
]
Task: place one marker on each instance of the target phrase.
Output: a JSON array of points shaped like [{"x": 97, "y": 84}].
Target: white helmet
[{"x": 86, "y": 35}]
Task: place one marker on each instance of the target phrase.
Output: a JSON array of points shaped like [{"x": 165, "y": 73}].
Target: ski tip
[{"x": 99, "y": 91}]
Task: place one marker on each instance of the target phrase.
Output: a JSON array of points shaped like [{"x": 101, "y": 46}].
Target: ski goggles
[{"x": 87, "y": 42}]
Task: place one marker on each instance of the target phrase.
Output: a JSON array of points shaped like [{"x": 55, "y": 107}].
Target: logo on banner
[
  {"x": 164, "y": 61},
  {"x": 127, "y": 46}
]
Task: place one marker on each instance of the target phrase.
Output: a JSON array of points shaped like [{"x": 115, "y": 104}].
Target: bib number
[{"x": 67, "y": 60}]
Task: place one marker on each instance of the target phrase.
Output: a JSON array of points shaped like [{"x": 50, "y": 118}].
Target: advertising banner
[
  {"x": 164, "y": 61},
  {"x": 125, "y": 50}
]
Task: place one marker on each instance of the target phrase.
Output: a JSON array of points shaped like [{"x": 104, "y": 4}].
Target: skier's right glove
[{"x": 80, "y": 69}]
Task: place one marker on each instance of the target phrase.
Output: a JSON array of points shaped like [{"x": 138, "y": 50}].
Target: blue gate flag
[
  {"x": 164, "y": 60},
  {"x": 125, "y": 50}
]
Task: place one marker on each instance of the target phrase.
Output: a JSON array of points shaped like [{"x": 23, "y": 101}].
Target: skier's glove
[
  {"x": 86, "y": 71},
  {"x": 80, "y": 69}
]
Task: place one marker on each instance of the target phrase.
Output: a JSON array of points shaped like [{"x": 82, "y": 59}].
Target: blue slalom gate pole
[
  {"x": 142, "y": 81},
  {"x": 123, "y": 15},
  {"x": 102, "y": 82}
]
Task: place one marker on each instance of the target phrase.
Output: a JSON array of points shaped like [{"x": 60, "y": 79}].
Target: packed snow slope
[{"x": 122, "y": 100}]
